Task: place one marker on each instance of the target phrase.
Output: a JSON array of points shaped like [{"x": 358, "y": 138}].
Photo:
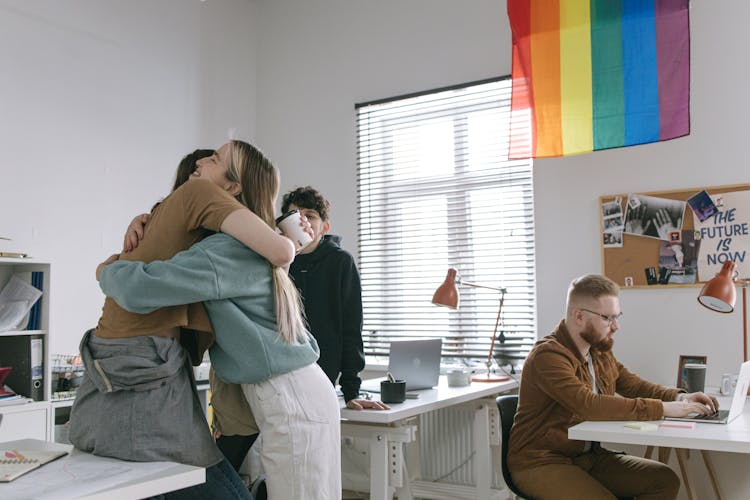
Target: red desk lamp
[
  {"x": 719, "y": 294},
  {"x": 447, "y": 295}
]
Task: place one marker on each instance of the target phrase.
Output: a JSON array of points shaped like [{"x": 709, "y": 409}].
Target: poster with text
[{"x": 725, "y": 235}]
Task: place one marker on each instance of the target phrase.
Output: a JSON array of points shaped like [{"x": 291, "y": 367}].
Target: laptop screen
[{"x": 416, "y": 361}]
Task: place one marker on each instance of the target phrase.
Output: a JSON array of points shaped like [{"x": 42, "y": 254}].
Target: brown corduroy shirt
[{"x": 556, "y": 394}]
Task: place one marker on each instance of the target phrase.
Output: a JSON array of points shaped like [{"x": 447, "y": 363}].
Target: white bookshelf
[{"x": 28, "y": 419}]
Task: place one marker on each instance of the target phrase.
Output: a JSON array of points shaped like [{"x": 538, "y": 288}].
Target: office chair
[{"x": 507, "y": 406}]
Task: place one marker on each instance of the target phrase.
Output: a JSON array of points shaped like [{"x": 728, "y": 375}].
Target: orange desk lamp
[
  {"x": 719, "y": 294},
  {"x": 447, "y": 296}
]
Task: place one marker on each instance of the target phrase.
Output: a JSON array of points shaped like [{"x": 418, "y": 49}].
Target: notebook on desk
[
  {"x": 735, "y": 409},
  {"x": 416, "y": 361},
  {"x": 15, "y": 463}
]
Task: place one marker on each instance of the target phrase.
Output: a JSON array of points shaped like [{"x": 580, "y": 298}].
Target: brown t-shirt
[{"x": 186, "y": 216}]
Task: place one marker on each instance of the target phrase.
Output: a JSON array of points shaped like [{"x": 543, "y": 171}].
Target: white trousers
[{"x": 299, "y": 417}]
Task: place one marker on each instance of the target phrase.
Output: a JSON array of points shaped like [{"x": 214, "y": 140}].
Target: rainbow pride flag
[{"x": 598, "y": 74}]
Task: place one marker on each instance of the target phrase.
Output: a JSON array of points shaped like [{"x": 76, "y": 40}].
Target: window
[{"x": 435, "y": 190}]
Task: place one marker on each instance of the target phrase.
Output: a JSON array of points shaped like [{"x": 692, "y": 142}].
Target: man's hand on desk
[
  {"x": 361, "y": 404},
  {"x": 700, "y": 397},
  {"x": 692, "y": 403}
]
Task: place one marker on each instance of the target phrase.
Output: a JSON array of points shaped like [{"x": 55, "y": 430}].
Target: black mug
[{"x": 393, "y": 392}]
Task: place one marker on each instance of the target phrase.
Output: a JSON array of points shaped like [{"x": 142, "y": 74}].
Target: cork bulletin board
[{"x": 676, "y": 238}]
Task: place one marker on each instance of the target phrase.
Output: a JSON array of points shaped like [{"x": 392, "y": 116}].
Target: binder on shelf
[
  {"x": 35, "y": 315},
  {"x": 25, "y": 353}
]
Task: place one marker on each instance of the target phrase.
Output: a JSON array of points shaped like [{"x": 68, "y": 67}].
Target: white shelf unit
[{"x": 28, "y": 420}]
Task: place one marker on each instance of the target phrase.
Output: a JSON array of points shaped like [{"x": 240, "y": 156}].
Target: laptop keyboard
[{"x": 719, "y": 415}]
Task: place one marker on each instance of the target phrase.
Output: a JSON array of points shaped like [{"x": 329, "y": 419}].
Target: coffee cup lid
[{"x": 287, "y": 214}]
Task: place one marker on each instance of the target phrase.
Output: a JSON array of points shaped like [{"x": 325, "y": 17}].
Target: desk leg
[
  {"x": 711, "y": 473},
  {"x": 649, "y": 452},
  {"x": 482, "y": 457},
  {"x": 404, "y": 492},
  {"x": 379, "y": 489},
  {"x": 682, "y": 457}
]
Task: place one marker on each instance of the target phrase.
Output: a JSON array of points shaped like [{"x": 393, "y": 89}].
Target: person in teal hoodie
[{"x": 259, "y": 345}]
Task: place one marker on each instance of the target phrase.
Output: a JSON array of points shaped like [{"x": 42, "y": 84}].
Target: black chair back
[{"x": 507, "y": 406}]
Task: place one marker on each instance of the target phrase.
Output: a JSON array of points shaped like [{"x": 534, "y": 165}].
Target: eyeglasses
[{"x": 608, "y": 319}]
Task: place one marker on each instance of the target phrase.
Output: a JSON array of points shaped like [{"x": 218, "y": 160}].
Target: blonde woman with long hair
[{"x": 261, "y": 339}]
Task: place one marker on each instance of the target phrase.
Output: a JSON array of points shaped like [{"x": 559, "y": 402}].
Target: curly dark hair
[{"x": 307, "y": 197}]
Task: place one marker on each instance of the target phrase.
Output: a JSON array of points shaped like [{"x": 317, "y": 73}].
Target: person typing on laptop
[{"x": 572, "y": 375}]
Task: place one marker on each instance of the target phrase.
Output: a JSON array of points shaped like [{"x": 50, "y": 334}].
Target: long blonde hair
[{"x": 259, "y": 181}]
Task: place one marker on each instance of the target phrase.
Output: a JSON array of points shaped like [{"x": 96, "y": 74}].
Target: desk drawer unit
[{"x": 26, "y": 421}]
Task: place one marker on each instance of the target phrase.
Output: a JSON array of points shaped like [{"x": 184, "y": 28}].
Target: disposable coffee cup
[
  {"x": 695, "y": 377},
  {"x": 393, "y": 392},
  {"x": 289, "y": 224}
]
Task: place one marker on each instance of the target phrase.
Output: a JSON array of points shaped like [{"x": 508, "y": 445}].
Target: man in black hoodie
[{"x": 328, "y": 281}]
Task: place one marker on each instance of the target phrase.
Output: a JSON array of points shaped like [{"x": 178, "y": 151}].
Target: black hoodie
[{"x": 328, "y": 281}]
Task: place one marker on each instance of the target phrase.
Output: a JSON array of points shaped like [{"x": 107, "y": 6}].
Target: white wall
[
  {"x": 318, "y": 58},
  {"x": 98, "y": 103}
]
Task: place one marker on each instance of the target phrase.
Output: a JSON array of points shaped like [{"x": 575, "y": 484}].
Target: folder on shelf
[
  {"x": 25, "y": 353},
  {"x": 35, "y": 315}
]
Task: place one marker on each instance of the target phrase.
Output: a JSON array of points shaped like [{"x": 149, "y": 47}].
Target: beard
[{"x": 602, "y": 345}]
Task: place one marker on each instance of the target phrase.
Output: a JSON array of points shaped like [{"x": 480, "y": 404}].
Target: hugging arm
[
  {"x": 143, "y": 288},
  {"x": 242, "y": 224},
  {"x": 248, "y": 228}
]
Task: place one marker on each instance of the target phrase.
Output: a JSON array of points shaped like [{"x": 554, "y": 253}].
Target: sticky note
[
  {"x": 678, "y": 425},
  {"x": 641, "y": 426}
]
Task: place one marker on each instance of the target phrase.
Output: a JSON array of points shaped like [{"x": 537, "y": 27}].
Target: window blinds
[{"x": 435, "y": 190}]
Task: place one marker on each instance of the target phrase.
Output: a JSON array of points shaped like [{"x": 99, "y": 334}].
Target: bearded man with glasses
[{"x": 572, "y": 375}]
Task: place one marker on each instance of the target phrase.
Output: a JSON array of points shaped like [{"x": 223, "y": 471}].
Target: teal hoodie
[{"x": 236, "y": 286}]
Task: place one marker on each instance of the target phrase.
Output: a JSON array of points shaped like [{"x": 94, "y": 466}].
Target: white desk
[
  {"x": 732, "y": 437},
  {"x": 86, "y": 476},
  {"x": 387, "y": 431}
]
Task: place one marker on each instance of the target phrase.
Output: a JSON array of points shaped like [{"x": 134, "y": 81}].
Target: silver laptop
[
  {"x": 416, "y": 361},
  {"x": 735, "y": 410}
]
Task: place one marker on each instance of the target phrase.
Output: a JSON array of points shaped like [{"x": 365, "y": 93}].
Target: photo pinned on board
[
  {"x": 612, "y": 239},
  {"x": 653, "y": 217},
  {"x": 612, "y": 223},
  {"x": 680, "y": 258},
  {"x": 702, "y": 205}
]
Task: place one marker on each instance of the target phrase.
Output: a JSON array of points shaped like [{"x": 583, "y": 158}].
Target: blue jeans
[{"x": 222, "y": 483}]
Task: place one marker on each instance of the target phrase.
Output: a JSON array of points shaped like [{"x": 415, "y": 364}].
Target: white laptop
[
  {"x": 416, "y": 361},
  {"x": 735, "y": 410}
]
